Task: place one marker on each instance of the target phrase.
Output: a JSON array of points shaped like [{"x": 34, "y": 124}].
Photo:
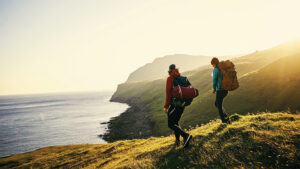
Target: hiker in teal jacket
[
  {"x": 217, "y": 88},
  {"x": 217, "y": 79}
]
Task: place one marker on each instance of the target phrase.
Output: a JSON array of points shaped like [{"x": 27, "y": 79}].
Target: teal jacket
[{"x": 217, "y": 79}]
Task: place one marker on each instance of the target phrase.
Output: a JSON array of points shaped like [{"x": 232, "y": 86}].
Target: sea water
[{"x": 29, "y": 122}]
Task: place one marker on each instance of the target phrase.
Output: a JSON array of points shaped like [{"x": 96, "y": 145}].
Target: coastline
[
  {"x": 134, "y": 123},
  {"x": 38, "y": 121}
]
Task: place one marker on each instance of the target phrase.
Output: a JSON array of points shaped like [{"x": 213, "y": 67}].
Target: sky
[{"x": 75, "y": 45}]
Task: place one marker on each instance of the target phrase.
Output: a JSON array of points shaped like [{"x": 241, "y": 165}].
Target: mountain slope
[
  {"x": 248, "y": 98},
  {"x": 274, "y": 88},
  {"x": 159, "y": 67},
  {"x": 265, "y": 140}
]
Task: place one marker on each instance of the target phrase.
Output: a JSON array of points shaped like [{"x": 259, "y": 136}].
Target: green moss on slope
[{"x": 265, "y": 140}]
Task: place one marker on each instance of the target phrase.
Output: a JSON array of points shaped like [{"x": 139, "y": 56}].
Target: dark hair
[
  {"x": 215, "y": 61},
  {"x": 172, "y": 66}
]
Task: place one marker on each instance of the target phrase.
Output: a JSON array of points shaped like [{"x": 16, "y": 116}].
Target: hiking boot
[
  {"x": 177, "y": 143},
  {"x": 227, "y": 120},
  {"x": 187, "y": 140}
]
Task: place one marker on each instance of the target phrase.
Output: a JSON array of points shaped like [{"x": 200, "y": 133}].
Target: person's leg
[
  {"x": 171, "y": 111},
  {"x": 173, "y": 119},
  {"x": 225, "y": 92},
  {"x": 217, "y": 104},
  {"x": 176, "y": 121},
  {"x": 186, "y": 137},
  {"x": 177, "y": 136},
  {"x": 220, "y": 95},
  {"x": 171, "y": 122}
]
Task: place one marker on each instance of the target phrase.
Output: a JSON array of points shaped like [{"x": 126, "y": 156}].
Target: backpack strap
[
  {"x": 180, "y": 91},
  {"x": 173, "y": 80}
]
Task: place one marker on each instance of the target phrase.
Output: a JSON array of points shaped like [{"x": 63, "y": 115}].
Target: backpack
[
  {"x": 230, "y": 81},
  {"x": 183, "y": 93}
]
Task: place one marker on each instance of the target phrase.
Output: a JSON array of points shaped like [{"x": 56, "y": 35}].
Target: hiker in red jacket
[{"x": 173, "y": 110}]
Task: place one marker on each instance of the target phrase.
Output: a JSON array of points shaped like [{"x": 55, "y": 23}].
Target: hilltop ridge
[{"x": 158, "y": 68}]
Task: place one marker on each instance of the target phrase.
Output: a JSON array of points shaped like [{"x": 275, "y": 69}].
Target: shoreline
[
  {"x": 133, "y": 123},
  {"x": 100, "y": 111}
]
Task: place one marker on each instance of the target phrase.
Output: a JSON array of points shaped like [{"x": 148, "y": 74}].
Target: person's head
[
  {"x": 171, "y": 68},
  {"x": 214, "y": 62}
]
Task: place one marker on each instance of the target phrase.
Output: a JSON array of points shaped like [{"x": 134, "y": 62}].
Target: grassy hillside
[
  {"x": 265, "y": 140},
  {"x": 274, "y": 87},
  {"x": 255, "y": 92}
]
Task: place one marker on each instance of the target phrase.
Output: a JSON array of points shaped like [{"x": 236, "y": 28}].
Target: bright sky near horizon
[{"x": 74, "y": 45}]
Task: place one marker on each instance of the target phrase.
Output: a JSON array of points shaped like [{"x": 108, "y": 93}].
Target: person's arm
[
  {"x": 215, "y": 78},
  {"x": 168, "y": 92}
]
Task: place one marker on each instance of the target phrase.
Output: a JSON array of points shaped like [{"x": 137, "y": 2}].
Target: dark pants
[
  {"x": 221, "y": 94},
  {"x": 174, "y": 115}
]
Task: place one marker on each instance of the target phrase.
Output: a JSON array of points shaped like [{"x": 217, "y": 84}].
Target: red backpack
[{"x": 182, "y": 89}]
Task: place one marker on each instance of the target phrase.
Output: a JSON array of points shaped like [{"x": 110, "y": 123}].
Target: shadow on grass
[
  {"x": 181, "y": 158},
  {"x": 235, "y": 147}
]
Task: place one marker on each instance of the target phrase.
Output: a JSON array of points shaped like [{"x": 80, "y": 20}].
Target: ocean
[{"x": 29, "y": 122}]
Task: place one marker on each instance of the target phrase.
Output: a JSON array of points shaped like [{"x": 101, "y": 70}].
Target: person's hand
[
  {"x": 214, "y": 91},
  {"x": 166, "y": 110}
]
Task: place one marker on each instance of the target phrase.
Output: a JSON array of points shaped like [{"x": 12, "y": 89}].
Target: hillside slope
[
  {"x": 265, "y": 140},
  {"x": 254, "y": 94},
  {"x": 159, "y": 67},
  {"x": 274, "y": 88}
]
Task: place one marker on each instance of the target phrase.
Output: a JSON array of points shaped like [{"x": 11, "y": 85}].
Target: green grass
[{"x": 264, "y": 140}]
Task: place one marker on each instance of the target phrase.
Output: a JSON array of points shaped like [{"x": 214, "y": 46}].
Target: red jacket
[{"x": 169, "y": 84}]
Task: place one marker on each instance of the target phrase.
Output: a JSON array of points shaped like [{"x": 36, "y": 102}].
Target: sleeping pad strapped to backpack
[{"x": 182, "y": 90}]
